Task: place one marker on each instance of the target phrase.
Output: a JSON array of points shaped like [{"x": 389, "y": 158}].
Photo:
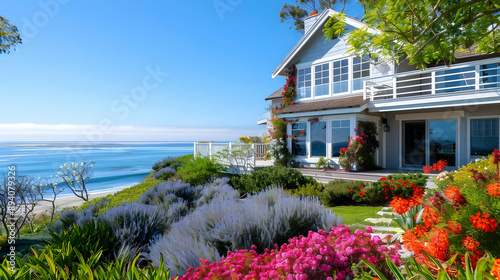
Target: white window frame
[
  {"x": 469, "y": 128},
  {"x": 330, "y": 62}
]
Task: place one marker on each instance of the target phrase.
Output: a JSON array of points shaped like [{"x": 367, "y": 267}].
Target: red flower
[
  {"x": 496, "y": 156},
  {"x": 483, "y": 223},
  {"x": 495, "y": 270},
  {"x": 301, "y": 132},
  {"x": 454, "y": 227},
  {"x": 494, "y": 189},
  {"x": 452, "y": 193},
  {"x": 351, "y": 191},
  {"x": 383, "y": 179},
  {"x": 470, "y": 244}
]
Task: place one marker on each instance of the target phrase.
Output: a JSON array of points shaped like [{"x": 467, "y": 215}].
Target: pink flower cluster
[{"x": 320, "y": 255}]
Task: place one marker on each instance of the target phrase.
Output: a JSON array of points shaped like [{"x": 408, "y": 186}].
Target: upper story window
[
  {"x": 340, "y": 76},
  {"x": 490, "y": 75},
  {"x": 304, "y": 83},
  {"x": 360, "y": 70},
  {"x": 322, "y": 79}
]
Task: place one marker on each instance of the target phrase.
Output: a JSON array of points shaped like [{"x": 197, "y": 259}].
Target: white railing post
[
  {"x": 210, "y": 149},
  {"x": 433, "y": 82},
  {"x": 394, "y": 87},
  {"x": 477, "y": 77},
  {"x": 230, "y": 147},
  {"x": 254, "y": 151},
  {"x": 364, "y": 90},
  {"x": 195, "y": 150},
  {"x": 372, "y": 92}
]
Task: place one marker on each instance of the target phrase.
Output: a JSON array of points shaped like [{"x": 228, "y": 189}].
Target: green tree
[
  {"x": 302, "y": 8},
  {"x": 426, "y": 32},
  {"x": 9, "y": 36}
]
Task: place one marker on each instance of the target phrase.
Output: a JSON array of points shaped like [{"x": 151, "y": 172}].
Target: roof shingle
[{"x": 328, "y": 104}]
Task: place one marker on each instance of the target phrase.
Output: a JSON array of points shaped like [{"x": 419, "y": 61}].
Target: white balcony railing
[
  {"x": 464, "y": 77},
  {"x": 253, "y": 153}
]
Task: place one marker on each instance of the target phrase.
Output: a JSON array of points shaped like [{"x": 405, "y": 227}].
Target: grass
[
  {"x": 356, "y": 214},
  {"x": 131, "y": 194},
  {"x": 24, "y": 244}
]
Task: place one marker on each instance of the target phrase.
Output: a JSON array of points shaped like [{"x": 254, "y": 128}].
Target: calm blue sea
[{"x": 118, "y": 164}]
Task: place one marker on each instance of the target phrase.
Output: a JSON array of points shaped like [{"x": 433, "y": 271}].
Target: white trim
[
  {"x": 431, "y": 116},
  {"x": 317, "y": 26},
  {"x": 325, "y": 112}
]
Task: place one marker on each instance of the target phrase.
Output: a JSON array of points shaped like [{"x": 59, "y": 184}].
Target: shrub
[
  {"x": 164, "y": 194},
  {"x": 264, "y": 219},
  {"x": 219, "y": 188},
  {"x": 164, "y": 174},
  {"x": 323, "y": 163},
  {"x": 309, "y": 190},
  {"x": 397, "y": 185},
  {"x": 339, "y": 192},
  {"x": 361, "y": 149},
  {"x": 134, "y": 224},
  {"x": 199, "y": 171},
  {"x": 166, "y": 162},
  {"x": 319, "y": 255},
  {"x": 131, "y": 194},
  {"x": 87, "y": 238},
  {"x": 258, "y": 180}
]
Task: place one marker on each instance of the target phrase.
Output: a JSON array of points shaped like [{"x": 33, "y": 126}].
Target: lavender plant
[
  {"x": 223, "y": 224},
  {"x": 164, "y": 173}
]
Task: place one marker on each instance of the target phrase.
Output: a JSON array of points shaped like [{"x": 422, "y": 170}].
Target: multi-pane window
[
  {"x": 360, "y": 70},
  {"x": 490, "y": 75},
  {"x": 484, "y": 137},
  {"x": 318, "y": 139},
  {"x": 299, "y": 131},
  {"x": 340, "y": 76},
  {"x": 304, "y": 83},
  {"x": 322, "y": 79},
  {"x": 341, "y": 133}
]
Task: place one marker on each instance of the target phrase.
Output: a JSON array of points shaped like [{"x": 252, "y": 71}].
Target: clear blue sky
[{"x": 86, "y": 63}]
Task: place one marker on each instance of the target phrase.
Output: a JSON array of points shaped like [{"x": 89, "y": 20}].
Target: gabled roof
[
  {"x": 277, "y": 94},
  {"x": 316, "y": 27}
]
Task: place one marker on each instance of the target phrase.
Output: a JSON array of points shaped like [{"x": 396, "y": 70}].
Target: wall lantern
[{"x": 387, "y": 128}]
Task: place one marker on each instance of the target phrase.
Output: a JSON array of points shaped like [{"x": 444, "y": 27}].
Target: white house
[{"x": 443, "y": 112}]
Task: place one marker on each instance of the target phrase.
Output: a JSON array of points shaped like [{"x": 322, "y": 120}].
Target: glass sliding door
[
  {"x": 318, "y": 139},
  {"x": 414, "y": 143},
  {"x": 443, "y": 141}
]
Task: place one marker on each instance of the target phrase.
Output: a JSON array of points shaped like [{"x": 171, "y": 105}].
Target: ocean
[{"x": 118, "y": 164}]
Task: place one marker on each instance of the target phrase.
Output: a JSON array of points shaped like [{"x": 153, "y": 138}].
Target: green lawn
[{"x": 356, "y": 214}]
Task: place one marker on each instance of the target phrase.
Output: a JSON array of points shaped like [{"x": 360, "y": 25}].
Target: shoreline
[{"x": 69, "y": 201}]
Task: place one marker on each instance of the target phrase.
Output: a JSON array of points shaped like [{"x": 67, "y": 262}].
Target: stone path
[{"x": 384, "y": 229}]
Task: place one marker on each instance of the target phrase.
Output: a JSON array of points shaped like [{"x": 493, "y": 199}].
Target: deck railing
[
  {"x": 251, "y": 152},
  {"x": 464, "y": 77}
]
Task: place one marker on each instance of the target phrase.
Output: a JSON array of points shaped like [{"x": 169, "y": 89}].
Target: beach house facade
[{"x": 445, "y": 112}]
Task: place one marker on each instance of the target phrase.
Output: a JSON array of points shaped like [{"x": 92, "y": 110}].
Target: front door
[
  {"x": 426, "y": 142},
  {"x": 414, "y": 139}
]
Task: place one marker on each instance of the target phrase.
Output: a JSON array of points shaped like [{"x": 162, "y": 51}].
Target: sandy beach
[{"x": 71, "y": 201}]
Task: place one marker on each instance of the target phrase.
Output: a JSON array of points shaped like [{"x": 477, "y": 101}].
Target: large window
[
  {"x": 340, "y": 76},
  {"x": 299, "y": 131},
  {"x": 341, "y": 133},
  {"x": 322, "y": 79},
  {"x": 304, "y": 83},
  {"x": 360, "y": 70},
  {"x": 483, "y": 136},
  {"x": 318, "y": 139}
]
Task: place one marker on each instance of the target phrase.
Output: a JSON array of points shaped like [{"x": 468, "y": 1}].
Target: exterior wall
[
  {"x": 394, "y": 138},
  {"x": 319, "y": 48}
]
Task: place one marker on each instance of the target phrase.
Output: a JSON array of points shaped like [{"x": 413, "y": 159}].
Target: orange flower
[
  {"x": 452, "y": 193},
  {"x": 411, "y": 242},
  {"x": 439, "y": 244},
  {"x": 399, "y": 205},
  {"x": 483, "y": 223},
  {"x": 430, "y": 217},
  {"x": 454, "y": 227},
  {"x": 494, "y": 189},
  {"x": 470, "y": 244},
  {"x": 495, "y": 270}
]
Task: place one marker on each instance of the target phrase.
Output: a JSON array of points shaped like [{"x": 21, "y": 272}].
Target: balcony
[{"x": 464, "y": 78}]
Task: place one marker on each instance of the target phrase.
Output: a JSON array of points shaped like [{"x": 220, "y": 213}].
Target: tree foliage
[
  {"x": 427, "y": 32},
  {"x": 302, "y": 8},
  {"x": 76, "y": 176},
  {"x": 9, "y": 36}
]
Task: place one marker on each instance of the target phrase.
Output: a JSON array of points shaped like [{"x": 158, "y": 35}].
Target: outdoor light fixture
[{"x": 387, "y": 128}]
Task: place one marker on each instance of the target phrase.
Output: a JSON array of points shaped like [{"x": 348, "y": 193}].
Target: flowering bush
[
  {"x": 277, "y": 132},
  {"x": 319, "y": 255},
  {"x": 361, "y": 148},
  {"x": 440, "y": 165},
  {"x": 289, "y": 92},
  {"x": 164, "y": 174},
  {"x": 461, "y": 217},
  {"x": 265, "y": 219}
]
